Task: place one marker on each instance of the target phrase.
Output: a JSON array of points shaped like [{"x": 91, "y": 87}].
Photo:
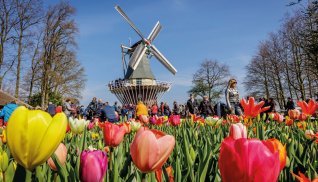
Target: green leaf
[{"x": 60, "y": 169}]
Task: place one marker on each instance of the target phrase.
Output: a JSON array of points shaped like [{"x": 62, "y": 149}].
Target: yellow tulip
[
  {"x": 33, "y": 135},
  {"x": 3, "y": 136}
]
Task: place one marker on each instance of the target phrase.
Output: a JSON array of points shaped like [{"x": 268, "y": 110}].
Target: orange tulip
[
  {"x": 127, "y": 127},
  {"x": 302, "y": 177},
  {"x": 61, "y": 154},
  {"x": 293, "y": 114},
  {"x": 308, "y": 109},
  {"x": 302, "y": 125},
  {"x": 150, "y": 149},
  {"x": 277, "y": 146},
  {"x": 169, "y": 172},
  {"x": 250, "y": 109},
  {"x": 289, "y": 121}
]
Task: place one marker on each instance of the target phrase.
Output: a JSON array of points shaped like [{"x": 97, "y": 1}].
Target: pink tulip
[
  {"x": 237, "y": 131},
  {"x": 150, "y": 149},
  {"x": 247, "y": 160},
  {"x": 93, "y": 165},
  {"x": 278, "y": 117},
  {"x": 61, "y": 153},
  {"x": 174, "y": 120},
  {"x": 91, "y": 125}
]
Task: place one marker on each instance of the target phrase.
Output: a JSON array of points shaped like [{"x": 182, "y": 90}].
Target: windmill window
[{"x": 138, "y": 81}]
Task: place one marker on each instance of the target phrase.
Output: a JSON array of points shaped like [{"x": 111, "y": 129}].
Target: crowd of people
[{"x": 104, "y": 111}]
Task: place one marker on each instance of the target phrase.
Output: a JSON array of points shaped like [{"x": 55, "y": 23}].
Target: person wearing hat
[{"x": 232, "y": 98}]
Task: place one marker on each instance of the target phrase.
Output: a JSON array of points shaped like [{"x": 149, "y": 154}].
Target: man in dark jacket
[
  {"x": 205, "y": 107},
  {"x": 192, "y": 104}
]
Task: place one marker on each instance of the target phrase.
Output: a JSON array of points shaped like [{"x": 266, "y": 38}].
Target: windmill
[{"x": 139, "y": 82}]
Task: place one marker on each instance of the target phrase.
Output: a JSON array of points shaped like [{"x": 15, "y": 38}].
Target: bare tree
[
  {"x": 7, "y": 22},
  {"x": 210, "y": 79},
  {"x": 28, "y": 15},
  {"x": 58, "y": 39}
]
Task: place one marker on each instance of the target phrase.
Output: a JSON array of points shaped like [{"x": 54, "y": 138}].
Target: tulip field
[{"x": 37, "y": 147}]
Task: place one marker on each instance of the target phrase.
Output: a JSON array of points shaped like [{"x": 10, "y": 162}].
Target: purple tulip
[{"x": 93, "y": 165}]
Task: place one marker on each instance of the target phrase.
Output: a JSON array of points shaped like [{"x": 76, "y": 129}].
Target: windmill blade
[
  {"x": 123, "y": 14},
  {"x": 139, "y": 52},
  {"x": 162, "y": 59},
  {"x": 155, "y": 31}
]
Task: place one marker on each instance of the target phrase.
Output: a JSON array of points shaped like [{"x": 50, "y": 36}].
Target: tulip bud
[
  {"x": 93, "y": 165},
  {"x": 77, "y": 125},
  {"x": 237, "y": 131},
  {"x": 33, "y": 135},
  {"x": 61, "y": 154},
  {"x": 135, "y": 125},
  {"x": 150, "y": 149},
  {"x": 113, "y": 134},
  {"x": 193, "y": 154},
  {"x": 3, "y": 136},
  {"x": 4, "y": 161}
]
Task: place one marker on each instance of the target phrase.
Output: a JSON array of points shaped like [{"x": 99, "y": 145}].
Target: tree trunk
[{"x": 17, "y": 84}]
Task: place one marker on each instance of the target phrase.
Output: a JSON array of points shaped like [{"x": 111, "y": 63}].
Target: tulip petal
[
  {"x": 18, "y": 144},
  {"x": 166, "y": 144},
  {"x": 54, "y": 134},
  {"x": 146, "y": 151},
  {"x": 247, "y": 160}
]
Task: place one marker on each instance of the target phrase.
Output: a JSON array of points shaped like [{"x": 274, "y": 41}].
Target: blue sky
[{"x": 228, "y": 31}]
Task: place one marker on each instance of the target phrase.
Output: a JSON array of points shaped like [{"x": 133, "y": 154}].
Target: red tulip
[
  {"x": 150, "y": 149},
  {"x": 293, "y": 114},
  {"x": 174, "y": 120},
  {"x": 247, "y": 160},
  {"x": 302, "y": 117},
  {"x": 93, "y": 165},
  {"x": 233, "y": 118},
  {"x": 279, "y": 147},
  {"x": 61, "y": 153},
  {"x": 58, "y": 109},
  {"x": 113, "y": 134},
  {"x": 250, "y": 109},
  {"x": 308, "y": 109},
  {"x": 237, "y": 131}
]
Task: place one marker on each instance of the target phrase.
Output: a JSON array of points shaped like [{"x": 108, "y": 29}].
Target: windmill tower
[{"x": 139, "y": 83}]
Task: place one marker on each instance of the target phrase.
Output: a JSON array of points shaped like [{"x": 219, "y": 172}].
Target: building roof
[
  {"x": 6, "y": 98},
  {"x": 142, "y": 71}
]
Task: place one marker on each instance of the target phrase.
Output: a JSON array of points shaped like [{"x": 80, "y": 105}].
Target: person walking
[{"x": 232, "y": 98}]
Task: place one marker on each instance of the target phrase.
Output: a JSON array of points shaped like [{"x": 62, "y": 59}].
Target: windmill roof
[{"x": 142, "y": 71}]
